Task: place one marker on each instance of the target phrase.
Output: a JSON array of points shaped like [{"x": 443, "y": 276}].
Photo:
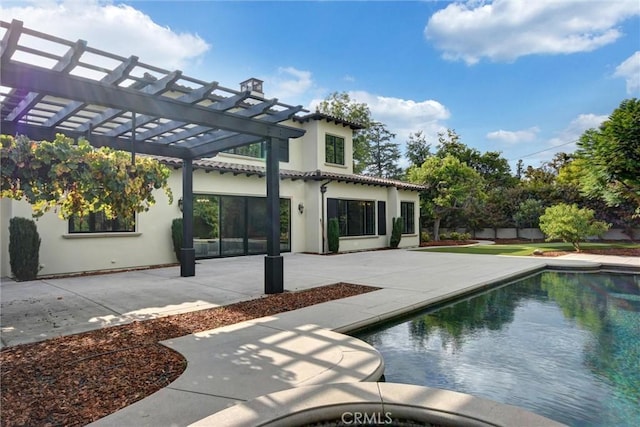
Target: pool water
[{"x": 563, "y": 345}]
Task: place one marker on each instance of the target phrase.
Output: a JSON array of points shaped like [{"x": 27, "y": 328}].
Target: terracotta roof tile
[{"x": 317, "y": 175}]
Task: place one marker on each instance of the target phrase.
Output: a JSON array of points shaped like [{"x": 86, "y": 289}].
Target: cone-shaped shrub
[
  {"x": 396, "y": 232},
  {"x": 333, "y": 234},
  {"x": 176, "y": 236},
  {"x": 24, "y": 248}
]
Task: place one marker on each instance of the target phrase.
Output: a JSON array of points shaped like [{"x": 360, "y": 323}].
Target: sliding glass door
[{"x": 236, "y": 225}]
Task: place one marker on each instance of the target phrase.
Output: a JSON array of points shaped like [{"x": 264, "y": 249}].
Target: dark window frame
[
  {"x": 248, "y": 228},
  {"x": 334, "y": 150},
  {"x": 356, "y": 217},
  {"x": 408, "y": 214},
  {"x": 97, "y": 222},
  {"x": 258, "y": 150}
]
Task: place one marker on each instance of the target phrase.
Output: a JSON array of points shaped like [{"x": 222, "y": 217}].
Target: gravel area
[{"x": 77, "y": 379}]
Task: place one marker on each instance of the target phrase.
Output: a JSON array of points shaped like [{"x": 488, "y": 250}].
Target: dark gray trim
[
  {"x": 187, "y": 252},
  {"x": 273, "y": 281}
]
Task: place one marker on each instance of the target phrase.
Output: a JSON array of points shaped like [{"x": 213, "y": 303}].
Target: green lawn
[{"x": 525, "y": 249}]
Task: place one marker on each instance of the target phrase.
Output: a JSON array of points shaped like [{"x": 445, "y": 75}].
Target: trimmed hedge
[
  {"x": 333, "y": 235},
  {"x": 24, "y": 248},
  {"x": 396, "y": 232},
  {"x": 176, "y": 236}
]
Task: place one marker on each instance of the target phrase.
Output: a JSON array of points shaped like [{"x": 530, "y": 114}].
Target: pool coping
[{"x": 378, "y": 403}]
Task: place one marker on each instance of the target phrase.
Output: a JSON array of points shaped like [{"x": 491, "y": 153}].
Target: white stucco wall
[
  {"x": 391, "y": 196},
  {"x": 61, "y": 252}
]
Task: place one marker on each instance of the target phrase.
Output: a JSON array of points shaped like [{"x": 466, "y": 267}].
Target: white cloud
[
  {"x": 402, "y": 116},
  {"x": 119, "y": 29},
  {"x": 514, "y": 137},
  {"x": 405, "y": 116},
  {"x": 630, "y": 71},
  {"x": 504, "y": 30},
  {"x": 289, "y": 84},
  {"x": 568, "y": 137}
]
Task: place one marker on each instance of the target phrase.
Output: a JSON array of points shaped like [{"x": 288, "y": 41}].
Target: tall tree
[
  {"x": 490, "y": 165},
  {"x": 452, "y": 187},
  {"x": 613, "y": 155},
  {"x": 417, "y": 148},
  {"x": 341, "y": 106},
  {"x": 385, "y": 153}
]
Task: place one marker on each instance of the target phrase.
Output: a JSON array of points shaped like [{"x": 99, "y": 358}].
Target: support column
[
  {"x": 273, "y": 262},
  {"x": 187, "y": 252}
]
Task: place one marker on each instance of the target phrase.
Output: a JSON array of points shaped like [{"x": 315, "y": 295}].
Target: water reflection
[{"x": 565, "y": 345}]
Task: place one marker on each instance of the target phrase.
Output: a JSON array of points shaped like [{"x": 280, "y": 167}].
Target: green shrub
[
  {"x": 571, "y": 224},
  {"x": 333, "y": 235},
  {"x": 454, "y": 235},
  {"x": 425, "y": 236},
  {"x": 396, "y": 232},
  {"x": 176, "y": 236},
  {"x": 24, "y": 248}
]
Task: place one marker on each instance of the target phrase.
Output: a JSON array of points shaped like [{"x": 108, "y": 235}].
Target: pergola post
[
  {"x": 187, "y": 252},
  {"x": 273, "y": 262}
]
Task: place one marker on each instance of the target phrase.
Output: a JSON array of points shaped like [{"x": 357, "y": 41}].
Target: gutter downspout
[{"x": 323, "y": 190}]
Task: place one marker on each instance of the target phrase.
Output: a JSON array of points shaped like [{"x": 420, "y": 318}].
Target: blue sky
[{"x": 513, "y": 76}]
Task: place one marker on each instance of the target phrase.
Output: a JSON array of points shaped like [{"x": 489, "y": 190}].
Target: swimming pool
[{"x": 562, "y": 344}]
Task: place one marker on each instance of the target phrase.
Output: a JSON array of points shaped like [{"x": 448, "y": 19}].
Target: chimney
[{"x": 252, "y": 85}]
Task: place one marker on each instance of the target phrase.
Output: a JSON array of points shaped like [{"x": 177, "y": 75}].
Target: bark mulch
[{"x": 77, "y": 379}]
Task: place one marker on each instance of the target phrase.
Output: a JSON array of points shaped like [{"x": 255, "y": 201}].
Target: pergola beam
[
  {"x": 39, "y": 133},
  {"x": 64, "y": 65},
  {"x": 154, "y": 88},
  {"x": 200, "y": 146},
  {"x": 191, "y": 98},
  {"x": 80, "y": 89},
  {"x": 113, "y": 78},
  {"x": 10, "y": 39}
]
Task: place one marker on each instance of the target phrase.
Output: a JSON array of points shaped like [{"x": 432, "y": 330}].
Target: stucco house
[{"x": 316, "y": 183}]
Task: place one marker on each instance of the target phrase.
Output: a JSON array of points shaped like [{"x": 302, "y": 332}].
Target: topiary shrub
[
  {"x": 24, "y": 248},
  {"x": 176, "y": 236},
  {"x": 333, "y": 235},
  {"x": 396, "y": 232}
]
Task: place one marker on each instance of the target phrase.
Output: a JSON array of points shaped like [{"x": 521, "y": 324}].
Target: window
[
  {"x": 98, "y": 222},
  {"x": 334, "y": 149},
  {"x": 259, "y": 150},
  {"x": 356, "y": 217},
  {"x": 407, "y": 212},
  {"x": 236, "y": 225}
]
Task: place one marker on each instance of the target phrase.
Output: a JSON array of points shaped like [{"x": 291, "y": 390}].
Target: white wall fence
[{"x": 533, "y": 233}]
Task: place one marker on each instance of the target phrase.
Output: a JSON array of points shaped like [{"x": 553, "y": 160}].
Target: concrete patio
[{"x": 297, "y": 348}]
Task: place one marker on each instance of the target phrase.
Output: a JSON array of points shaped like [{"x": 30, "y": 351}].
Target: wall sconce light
[
  {"x": 300, "y": 208},
  {"x": 180, "y": 204}
]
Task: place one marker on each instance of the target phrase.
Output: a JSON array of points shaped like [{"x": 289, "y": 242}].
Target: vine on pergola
[{"x": 76, "y": 179}]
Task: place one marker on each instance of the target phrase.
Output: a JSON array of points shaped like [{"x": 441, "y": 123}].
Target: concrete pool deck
[{"x": 264, "y": 355}]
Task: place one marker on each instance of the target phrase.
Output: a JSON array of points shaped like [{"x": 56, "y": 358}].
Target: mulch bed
[{"x": 77, "y": 379}]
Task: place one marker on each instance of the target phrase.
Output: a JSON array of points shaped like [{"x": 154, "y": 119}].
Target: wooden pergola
[{"x": 49, "y": 85}]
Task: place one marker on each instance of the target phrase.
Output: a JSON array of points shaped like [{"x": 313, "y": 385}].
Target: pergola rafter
[{"x": 140, "y": 108}]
